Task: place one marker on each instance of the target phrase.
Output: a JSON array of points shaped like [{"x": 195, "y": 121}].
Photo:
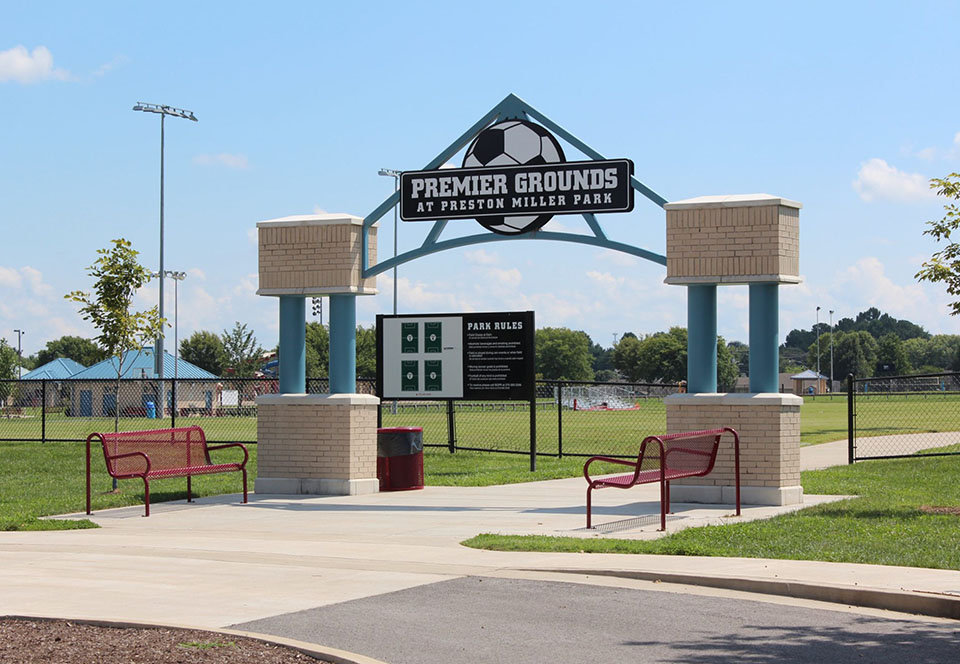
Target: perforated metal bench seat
[
  {"x": 160, "y": 454},
  {"x": 688, "y": 454}
]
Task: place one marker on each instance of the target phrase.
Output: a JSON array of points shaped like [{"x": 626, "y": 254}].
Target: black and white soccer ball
[{"x": 513, "y": 143}]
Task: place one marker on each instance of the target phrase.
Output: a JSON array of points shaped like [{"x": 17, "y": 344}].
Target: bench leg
[
  {"x": 189, "y": 489},
  {"x": 146, "y": 496},
  {"x": 669, "y": 511},
  {"x": 244, "y": 470},
  {"x": 663, "y": 505},
  {"x": 589, "y": 489}
]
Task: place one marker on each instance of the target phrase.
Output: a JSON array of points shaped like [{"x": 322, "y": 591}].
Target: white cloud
[
  {"x": 9, "y": 277},
  {"x": 18, "y": 64},
  {"x": 879, "y": 180},
  {"x": 511, "y": 277},
  {"x": 481, "y": 257},
  {"x": 235, "y": 161},
  {"x": 609, "y": 256},
  {"x": 319, "y": 210}
]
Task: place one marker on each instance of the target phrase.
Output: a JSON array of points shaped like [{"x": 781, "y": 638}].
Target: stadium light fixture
[{"x": 163, "y": 111}]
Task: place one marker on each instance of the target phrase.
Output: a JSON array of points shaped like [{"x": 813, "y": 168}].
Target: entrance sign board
[
  {"x": 565, "y": 188},
  {"x": 476, "y": 356}
]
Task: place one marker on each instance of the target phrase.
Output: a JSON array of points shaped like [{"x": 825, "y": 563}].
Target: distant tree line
[{"x": 872, "y": 344}]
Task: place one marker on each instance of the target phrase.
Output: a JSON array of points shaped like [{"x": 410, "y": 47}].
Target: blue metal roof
[
  {"x": 58, "y": 369},
  {"x": 139, "y": 364}
]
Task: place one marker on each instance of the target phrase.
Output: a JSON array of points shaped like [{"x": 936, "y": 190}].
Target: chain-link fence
[
  {"x": 569, "y": 418},
  {"x": 899, "y": 416}
]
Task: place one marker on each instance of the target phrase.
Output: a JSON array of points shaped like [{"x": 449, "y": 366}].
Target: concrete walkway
[{"x": 218, "y": 563}]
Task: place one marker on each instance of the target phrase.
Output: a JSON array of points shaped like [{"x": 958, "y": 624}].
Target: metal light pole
[
  {"x": 818, "y": 350},
  {"x": 20, "y": 333},
  {"x": 389, "y": 172},
  {"x": 831, "y": 350},
  {"x": 177, "y": 278},
  {"x": 163, "y": 110}
]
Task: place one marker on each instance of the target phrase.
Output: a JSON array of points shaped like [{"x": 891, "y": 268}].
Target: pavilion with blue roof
[
  {"x": 58, "y": 369},
  {"x": 96, "y": 398}
]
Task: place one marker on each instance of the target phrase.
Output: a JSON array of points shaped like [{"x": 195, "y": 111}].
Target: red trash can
[{"x": 400, "y": 458}]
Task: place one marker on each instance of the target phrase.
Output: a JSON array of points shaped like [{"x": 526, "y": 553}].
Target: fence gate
[{"x": 892, "y": 417}]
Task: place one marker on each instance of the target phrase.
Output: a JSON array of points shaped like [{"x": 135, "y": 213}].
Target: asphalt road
[{"x": 480, "y": 619}]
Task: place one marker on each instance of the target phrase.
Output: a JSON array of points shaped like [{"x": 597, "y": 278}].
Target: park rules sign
[
  {"x": 513, "y": 180},
  {"x": 480, "y": 356}
]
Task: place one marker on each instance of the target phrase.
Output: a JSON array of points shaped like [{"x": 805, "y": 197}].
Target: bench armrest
[
  {"x": 128, "y": 455},
  {"x": 622, "y": 462},
  {"x": 246, "y": 454}
]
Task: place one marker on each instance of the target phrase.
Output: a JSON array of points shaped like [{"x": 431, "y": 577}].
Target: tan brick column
[
  {"x": 750, "y": 239},
  {"x": 769, "y": 428},
  {"x": 316, "y": 443}
]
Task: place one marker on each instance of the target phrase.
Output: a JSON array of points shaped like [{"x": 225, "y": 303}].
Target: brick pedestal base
[
  {"x": 317, "y": 444},
  {"x": 769, "y": 428}
]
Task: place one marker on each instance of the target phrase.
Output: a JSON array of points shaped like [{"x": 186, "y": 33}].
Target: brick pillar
[
  {"x": 750, "y": 240},
  {"x": 769, "y": 428},
  {"x": 315, "y": 443}
]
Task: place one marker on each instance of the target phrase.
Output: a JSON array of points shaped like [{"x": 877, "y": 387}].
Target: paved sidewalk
[{"x": 218, "y": 562}]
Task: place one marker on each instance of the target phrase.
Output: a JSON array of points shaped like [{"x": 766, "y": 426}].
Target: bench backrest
[
  {"x": 693, "y": 452},
  {"x": 167, "y": 449}
]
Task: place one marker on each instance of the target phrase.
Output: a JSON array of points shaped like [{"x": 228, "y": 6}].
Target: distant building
[
  {"x": 92, "y": 389},
  {"x": 809, "y": 382},
  {"x": 51, "y": 394}
]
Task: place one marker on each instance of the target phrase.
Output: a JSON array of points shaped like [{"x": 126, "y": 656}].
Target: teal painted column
[
  {"x": 764, "y": 337},
  {"x": 293, "y": 345},
  {"x": 343, "y": 344},
  {"x": 702, "y": 338}
]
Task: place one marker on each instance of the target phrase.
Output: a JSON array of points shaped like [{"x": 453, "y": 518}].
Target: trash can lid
[{"x": 399, "y": 429}]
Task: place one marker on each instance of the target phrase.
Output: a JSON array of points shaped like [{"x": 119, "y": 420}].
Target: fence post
[
  {"x": 850, "y": 414},
  {"x": 173, "y": 406},
  {"x": 451, "y": 428},
  {"x": 560, "y": 420},
  {"x": 43, "y": 410}
]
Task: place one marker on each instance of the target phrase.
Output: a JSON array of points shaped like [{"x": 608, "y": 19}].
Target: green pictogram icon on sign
[{"x": 410, "y": 343}]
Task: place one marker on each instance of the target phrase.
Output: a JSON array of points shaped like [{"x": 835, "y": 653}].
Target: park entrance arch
[{"x": 327, "y": 443}]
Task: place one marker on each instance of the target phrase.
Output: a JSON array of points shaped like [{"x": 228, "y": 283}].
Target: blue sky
[{"x": 848, "y": 108}]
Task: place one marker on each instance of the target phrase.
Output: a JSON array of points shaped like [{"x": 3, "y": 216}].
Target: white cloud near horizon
[
  {"x": 23, "y": 66},
  {"x": 878, "y": 180},
  {"x": 234, "y": 161}
]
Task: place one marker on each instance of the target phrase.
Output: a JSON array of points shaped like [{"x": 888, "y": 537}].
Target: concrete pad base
[
  {"x": 290, "y": 486},
  {"x": 727, "y": 495}
]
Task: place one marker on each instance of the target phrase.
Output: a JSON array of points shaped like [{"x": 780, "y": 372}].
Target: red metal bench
[
  {"x": 690, "y": 454},
  {"x": 159, "y": 454}
]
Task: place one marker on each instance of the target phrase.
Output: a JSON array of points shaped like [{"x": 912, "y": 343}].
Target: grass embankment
[{"x": 890, "y": 523}]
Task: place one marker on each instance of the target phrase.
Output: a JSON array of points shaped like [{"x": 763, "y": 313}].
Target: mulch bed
[{"x": 65, "y": 642}]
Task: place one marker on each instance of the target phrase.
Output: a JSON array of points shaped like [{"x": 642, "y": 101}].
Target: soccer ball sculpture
[{"x": 513, "y": 143}]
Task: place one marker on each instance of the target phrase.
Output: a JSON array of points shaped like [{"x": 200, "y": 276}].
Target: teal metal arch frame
[{"x": 511, "y": 108}]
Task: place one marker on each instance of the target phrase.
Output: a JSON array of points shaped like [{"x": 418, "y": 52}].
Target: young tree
[
  {"x": 118, "y": 275},
  {"x": 562, "y": 354},
  {"x": 944, "y": 265},
  {"x": 242, "y": 353},
  {"x": 81, "y": 350},
  {"x": 8, "y": 369},
  {"x": 205, "y": 350}
]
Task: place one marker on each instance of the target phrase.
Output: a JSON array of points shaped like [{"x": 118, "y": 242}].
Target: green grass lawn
[
  {"x": 884, "y": 525},
  {"x": 41, "y": 479}
]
